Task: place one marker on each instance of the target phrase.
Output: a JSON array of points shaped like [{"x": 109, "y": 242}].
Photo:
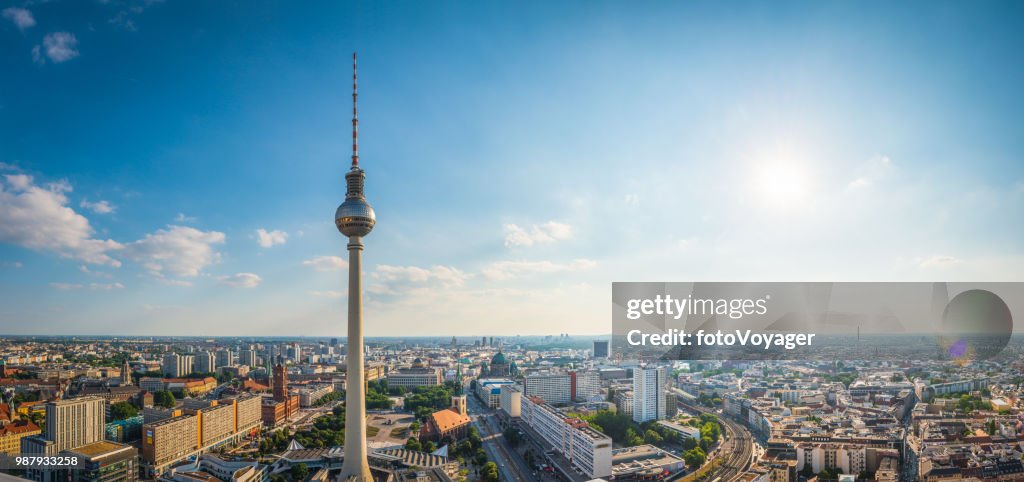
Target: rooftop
[{"x": 99, "y": 449}]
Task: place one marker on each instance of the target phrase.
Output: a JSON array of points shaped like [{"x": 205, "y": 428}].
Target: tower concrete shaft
[{"x": 355, "y": 467}]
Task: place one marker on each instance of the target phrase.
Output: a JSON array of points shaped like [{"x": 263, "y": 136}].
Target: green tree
[
  {"x": 299, "y": 472},
  {"x": 474, "y": 439},
  {"x": 413, "y": 444},
  {"x": 489, "y": 473},
  {"x": 164, "y": 399},
  {"x": 652, "y": 437},
  {"x": 123, "y": 410},
  {"x": 632, "y": 438},
  {"x": 694, "y": 457},
  {"x": 512, "y": 435},
  {"x": 481, "y": 456}
]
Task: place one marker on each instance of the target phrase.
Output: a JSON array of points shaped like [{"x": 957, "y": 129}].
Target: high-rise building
[
  {"x": 206, "y": 362},
  {"x": 355, "y": 219},
  {"x": 167, "y": 441},
  {"x": 648, "y": 393},
  {"x": 169, "y": 365},
  {"x": 587, "y": 450},
  {"x": 177, "y": 366},
  {"x": 511, "y": 401},
  {"x": 553, "y": 388},
  {"x": 204, "y": 424},
  {"x": 70, "y": 424},
  {"x": 600, "y": 349},
  {"x": 247, "y": 358},
  {"x": 584, "y": 384},
  {"x": 75, "y": 422},
  {"x": 224, "y": 357}
]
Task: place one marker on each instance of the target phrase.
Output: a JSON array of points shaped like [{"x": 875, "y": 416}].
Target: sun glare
[{"x": 780, "y": 182}]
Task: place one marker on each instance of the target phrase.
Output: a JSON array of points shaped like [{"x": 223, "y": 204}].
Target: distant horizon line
[
  {"x": 442, "y": 337},
  {"x": 9, "y": 335}
]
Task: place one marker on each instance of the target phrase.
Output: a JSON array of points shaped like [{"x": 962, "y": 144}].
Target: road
[
  {"x": 511, "y": 465},
  {"x": 737, "y": 449}
]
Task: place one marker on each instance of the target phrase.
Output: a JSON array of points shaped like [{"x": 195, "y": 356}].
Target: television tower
[{"x": 355, "y": 219}]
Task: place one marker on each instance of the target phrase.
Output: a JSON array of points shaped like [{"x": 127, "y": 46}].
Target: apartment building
[
  {"x": 585, "y": 448},
  {"x": 553, "y": 388}
]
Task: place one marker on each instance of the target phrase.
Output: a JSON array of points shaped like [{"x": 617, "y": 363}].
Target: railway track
[{"x": 737, "y": 450}]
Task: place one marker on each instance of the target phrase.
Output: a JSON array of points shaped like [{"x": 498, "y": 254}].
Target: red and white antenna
[{"x": 355, "y": 116}]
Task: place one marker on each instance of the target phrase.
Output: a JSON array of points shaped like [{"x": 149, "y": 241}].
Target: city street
[{"x": 511, "y": 465}]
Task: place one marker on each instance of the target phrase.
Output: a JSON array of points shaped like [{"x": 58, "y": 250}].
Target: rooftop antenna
[{"x": 355, "y": 117}]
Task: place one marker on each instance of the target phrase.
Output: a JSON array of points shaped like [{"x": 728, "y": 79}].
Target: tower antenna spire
[{"x": 355, "y": 116}]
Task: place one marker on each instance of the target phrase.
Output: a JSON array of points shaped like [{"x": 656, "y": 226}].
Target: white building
[
  {"x": 308, "y": 396},
  {"x": 587, "y": 384},
  {"x": 585, "y": 448},
  {"x": 247, "y": 357},
  {"x": 648, "y": 397},
  {"x": 205, "y": 362},
  {"x": 488, "y": 390},
  {"x": 511, "y": 401},
  {"x": 177, "y": 366},
  {"x": 70, "y": 423},
  {"x": 553, "y": 388},
  {"x": 624, "y": 402},
  {"x": 849, "y": 458}
]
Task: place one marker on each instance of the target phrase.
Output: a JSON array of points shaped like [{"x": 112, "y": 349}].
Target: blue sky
[{"x": 521, "y": 156}]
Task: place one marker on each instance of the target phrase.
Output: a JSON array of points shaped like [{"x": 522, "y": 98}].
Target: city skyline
[{"x": 157, "y": 187}]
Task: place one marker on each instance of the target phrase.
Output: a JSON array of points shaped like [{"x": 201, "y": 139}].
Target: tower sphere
[{"x": 355, "y": 217}]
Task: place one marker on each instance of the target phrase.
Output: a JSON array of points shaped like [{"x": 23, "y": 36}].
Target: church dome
[{"x": 499, "y": 359}]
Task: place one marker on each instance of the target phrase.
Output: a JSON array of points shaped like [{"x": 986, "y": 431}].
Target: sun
[{"x": 780, "y": 182}]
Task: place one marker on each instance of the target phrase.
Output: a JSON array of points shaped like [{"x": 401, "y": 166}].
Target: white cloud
[
  {"x": 241, "y": 280},
  {"x": 175, "y": 282},
  {"x": 38, "y": 217},
  {"x": 176, "y": 251},
  {"x": 502, "y": 270},
  {"x": 90, "y": 286},
  {"x": 99, "y": 207},
  {"x": 11, "y": 264},
  {"x": 328, "y": 294},
  {"x": 58, "y": 47},
  {"x": 445, "y": 275},
  {"x": 326, "y": 263},
  {"x": 390, "y": 279},
  {"x": 20, "y": 17},
  {"x": 860, "y": 182},
  {"x": 687, "y": 243},
  {"x": 875, "y": 169},
  {"x": 938, "y": 261},
  {"x": 182, "y": 218},
  {"x": 632, "y": 199},
  {"x": 548, "y": 232},
  {"x": 267, "y": 239}
]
